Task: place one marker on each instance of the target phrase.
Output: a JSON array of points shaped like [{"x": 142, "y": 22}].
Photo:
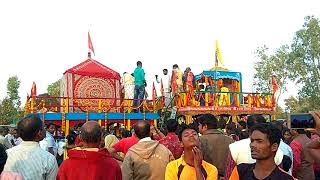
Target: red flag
[
  {"x": 90, "y": 44},
  {"x": 154, "y": 92},
  {"x": 174, "y": 83},
  {"x": 161, "y": 89},
  {"x": 274, "y": 84},
  {"x": 34, "y": 90}
]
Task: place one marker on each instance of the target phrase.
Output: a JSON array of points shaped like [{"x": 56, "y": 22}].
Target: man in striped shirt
[{"x": 28, "y": 159}]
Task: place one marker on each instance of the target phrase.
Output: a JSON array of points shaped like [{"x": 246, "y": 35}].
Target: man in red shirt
[
  {"x": 171, "y": 141},
  {"x": 89, "y": 162},
  {"x": 124, "y": 144}
]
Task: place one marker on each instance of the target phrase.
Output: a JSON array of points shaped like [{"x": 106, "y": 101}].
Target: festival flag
[
  {"x": 218, "y": 55},
  {"x": 90, "y": 44},
  {"x": 161, "y": 88},
  {"x": 34, "y": 90},
  {"x": 274, "y": 84},
  {"x": 174, "y": 83}
]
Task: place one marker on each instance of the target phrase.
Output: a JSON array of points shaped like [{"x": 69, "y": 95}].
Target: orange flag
[
  {"x": 274, "y": 84},
  {"x": 90, "y": 44}
]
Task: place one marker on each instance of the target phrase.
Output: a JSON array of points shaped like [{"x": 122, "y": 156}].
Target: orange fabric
[{"x": 234, "y": 174}]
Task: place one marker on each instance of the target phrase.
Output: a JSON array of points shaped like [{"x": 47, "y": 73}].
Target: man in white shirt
[
  {"x": 16, "y": 140},
  {"x": 28, "y": 159},
  {"x": 166, "y": 81},
  {"x": 4, "y": 141},
  {"x": 48, "y": 143}
]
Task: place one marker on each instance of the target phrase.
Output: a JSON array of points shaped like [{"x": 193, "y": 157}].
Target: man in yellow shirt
[{"x": 190, "y": 166}]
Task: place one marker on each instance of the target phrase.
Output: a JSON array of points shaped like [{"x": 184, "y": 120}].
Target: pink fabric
[
  {"x": 229, "y": 167},
  {"x": 296, "y": 149},
  {"x": 171, "y": 141},
  {"x": 124, "y": 144},
  {"x": 10, "y": 176}
]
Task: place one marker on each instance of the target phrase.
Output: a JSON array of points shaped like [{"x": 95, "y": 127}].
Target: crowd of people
[{"x": 206, "y": 149}]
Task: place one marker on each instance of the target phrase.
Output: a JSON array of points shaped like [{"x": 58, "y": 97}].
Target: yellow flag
[{"x": 218, "y": 55}]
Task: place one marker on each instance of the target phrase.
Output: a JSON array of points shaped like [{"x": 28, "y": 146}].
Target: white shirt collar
[{"x": 145, "y": 139}]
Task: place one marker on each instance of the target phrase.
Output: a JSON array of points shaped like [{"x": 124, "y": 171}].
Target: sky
[{"x": 40, "y": 40}]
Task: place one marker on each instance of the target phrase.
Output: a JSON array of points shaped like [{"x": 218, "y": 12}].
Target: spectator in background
[
  {"x": 109, "y": 141},
  {"x": 286, "y": 136},
  {"x": 49, "y": 143},
  {"x": 16, "y": 138},
  {"x": 214, "y": 144},
  {"x": 124, "y": 144},
  {"x": 89, "y": 162},
  {"x": 171, "y": 141},
  {"x": 243, "y": 134},
  {"x": 4, "y": 141},
  {"x": 302, "y": 159},
  {"x": 264, "y": 143},
  {"x": 191, "y": 164},
  {"x": 147, "y": 159},
  {"x": 231, "y": 131},
  {"x": 28, "y": 159}
]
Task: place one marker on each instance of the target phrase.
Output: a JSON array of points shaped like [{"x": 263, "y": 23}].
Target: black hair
[
  {"x": 253, "y": 119},
  {"x": 209, "y": 120},
  {"x": 142, "y": 129},
  {"x": 93, "y": 136},
  {"x": 286, "y": 163},
  {"x": 243, "y": 135},
  {"x": 175, "y": 66},
  {"x": 139, "y": 63},
  {"x": 29, "y": 127},
  {"x": 3, "y": 157},
  {"x": 231, "y": 126},
  {"x": 2, "y": 130},
  {"x": 71, "y": 139},
  {"x": 301, "y": 131},
  {"x": 50, "y": 124},
  {"x": 243, "y": 124},
  {"x": 273, "y": 133},
  {"x": 184, "y": 127},
  {"x": 125, "y": 133},
  {"x": 172, "y": 125},
  {"x": 165, "y": 69},
  {"x": 285, "y": 130}
]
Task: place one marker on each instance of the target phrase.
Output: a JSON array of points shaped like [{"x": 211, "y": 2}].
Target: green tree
[
  {"x": 54, "y": 89},
  {"x": 305, "y": 62},
  {"x": 13, "y": 91},
  {"x": 8, "y": 113},
  {"x": 294, "y": 105},
  {"x": 268, "y": 65}
]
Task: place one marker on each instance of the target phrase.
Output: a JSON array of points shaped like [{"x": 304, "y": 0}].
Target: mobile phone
[{"x": 301, "y": 121}]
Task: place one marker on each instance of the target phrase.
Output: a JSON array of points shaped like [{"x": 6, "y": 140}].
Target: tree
[
  {"x": 13, "y": 91},
  {"x": 8, "y": 113},
  {"x": 294, "y": 105},
  {"x": 305, "y": 62},
  {"x": 268, "y": 65},
  {"x": 54, "y": 89}
]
